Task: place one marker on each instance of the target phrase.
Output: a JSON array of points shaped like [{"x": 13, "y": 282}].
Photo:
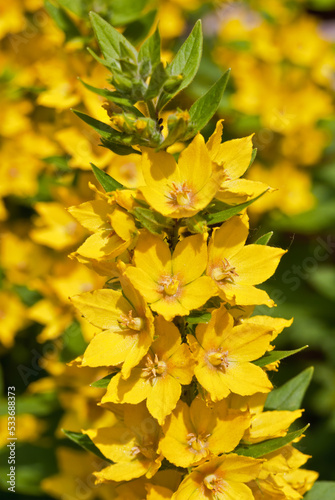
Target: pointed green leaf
[
  {"x": 260, "y": 449},
  {"x": 97, "y": 58},
  {"x": 157, "y": 80},
  {"x": 107, "y": 182},
  {"x": 150, "y": 50},
  {"x": 322, "y": 490},
  {"x": 103, "y": 382},
  {"x": 204, "y": 108},
  {"x": 85, "y": 442},
  {"x": 186, "y": 63},
  {"x": 110, "y": 39},
  {"x": 112, "y": 96},
  {"x": 273, "y": 356},
  {"x": 226, "y": 214},
  {"x": 264, "y": 240},
  {"x": 62, "y": 20},
  {"x": 102, "y": 128},
  {"x": 151, "y": 220},
  {"x": 290, "y": 395},
  {"x": 136, "y": 31},
  {"x": 125, "y": 11},
  {"x": 253, "y": 156}
]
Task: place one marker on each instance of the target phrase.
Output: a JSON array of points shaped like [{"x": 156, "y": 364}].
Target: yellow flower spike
[
  {"x": 222, "y": 478},
  {"x": 236, "y": 268},
  {"x": 127, "y": 325},
  {"x": 195, "y": 433},
  {"x": 223, "y": 354},
  {"x": 131, "y": 444},
  {"x": 158, "y": 377},
  {"x": 168, "y": 283},
  {"x": 180, "y": 189}
]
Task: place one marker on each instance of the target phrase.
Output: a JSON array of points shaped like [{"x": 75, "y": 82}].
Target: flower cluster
[{"x": 187, "y": 360}]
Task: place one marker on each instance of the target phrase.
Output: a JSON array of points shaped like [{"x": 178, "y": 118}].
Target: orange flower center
[
  {"x": 181, "y": 195},
  {"x": 219, "y": 359},
  {"x": 154, "y": 368},
  {"x": 147, "y": 449},
  {"x": 126, "y": 322},
  {"x": 224, "y": 272},
  {"x": 198, "y": 444},
  {"x": 169, "y": 285},
  {"x": 213, "y": 483}
]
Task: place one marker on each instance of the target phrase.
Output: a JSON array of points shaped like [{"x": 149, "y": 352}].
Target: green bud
[{"x": 172, "y": 83}]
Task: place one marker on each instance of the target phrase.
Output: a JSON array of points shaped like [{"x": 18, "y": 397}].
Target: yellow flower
[
  {"x": 236, "y": 268},
  {"x": 180, "y": 189},
  {"x": 159, "y": 376},
  {"x": 198, "y": 432},
  {"x": 270, "y": 424},
  {"x": 131, "y": 444},
  {"x": 223, "y": 354},
  {"x": 113, "y": 229},
  {"x": 234, "y": 158},
  {"x": 127, "y": 323},
  {"x": 12, "y": 317},
  {"x": 221, "y": 478},
  {"x": 169, "y": 283},
  {"x": 55, "y": 227}
]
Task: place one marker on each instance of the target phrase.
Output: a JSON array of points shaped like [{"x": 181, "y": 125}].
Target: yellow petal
[
  {"x": 92, "y": 214},
  {"x": 163, "y": 397},
  {"x": 195, "y": 294},
  {"x": 256, "y": 263},
  {"x": 190, "y": 250},
  {"x": 102, "y": 308},
  {"x": 195, "y": 164},
  {"x": 235, "y": 156},
  {"x": 247, "y": 342},
  {"x": 152, "y": 255},
  {"x": 246, "y": 379},
  {"x": 133, "y": 390},
  {"x": 228, "y": 240},
  {"x": 143, "y": 283}
]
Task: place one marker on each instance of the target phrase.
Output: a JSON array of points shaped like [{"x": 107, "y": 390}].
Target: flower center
[
  {"x": 147, "y": 449},
  {"x": 197, "y": 444},
  {"x": 181, "y": 195},
  {"x": 154, "y": 368},
  {"x": 130, "y": 322},
  {"x": 213, "y": 483},
  {"x": 224, "y": 272},
  {"x": 219, "y": 359},
  {"x": 169, "y": 285}
]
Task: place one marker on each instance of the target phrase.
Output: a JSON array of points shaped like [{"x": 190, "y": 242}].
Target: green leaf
[
  {"x": 112, "y": 96},
  {"x": 107, "y": 182},
  {"x": 136, "y": 31},
  {"x": 125, "y": 11},
  {"x": 103, "y": 382},
  {"x": 62, "y": 20},
  {"x": 264, "y": 240},
  {"x": 273, "y": 356},
  {"x": 110, "y": 39},
  {"x": 157, "y": 80},
  {"x": 197, "y": 317},
  {"x": 260, "y": 449},
  {"x": 85, "y": 442},
  {"x": 253, "y": 156},
  {"x": 229, "y": 212},
  {"x": 102, "y": 128},
  {"x": 97, "y": 58},
  {"x": 290, "y": 395},
  {"x": 60, "y": 162},
  {"x": 73, "y": 342},
  {"x": 186, "y": 63},
  {"x": 151, "y": 220},
  {"x": 150, "y": 50},
  {"x": 204, "y": 108},
  {"x": 75, "y": 6},
  {"x": 322, "y": 490}
]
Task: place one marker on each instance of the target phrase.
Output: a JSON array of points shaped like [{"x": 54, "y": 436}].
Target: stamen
[
  {"x": 224, "y": 272},
  {"x": 136, "y": 323}
]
